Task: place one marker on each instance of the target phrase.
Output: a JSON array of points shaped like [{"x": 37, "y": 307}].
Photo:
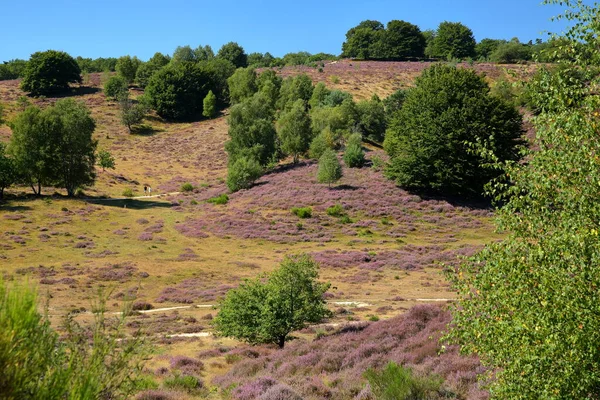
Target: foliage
[
  {"x": 395, "y": 382},
  {"x": 243, "y": 172},
  {"x": 12, "y": 69},
  {"x": 132, "y": 113},
  {"x": 218, "y": 70},
  {"x": 302, "y": 212},
  {"x": 540, "y": 91},
  {"x": 323, "y": 141},
  {"x": 364, "y": 40},
  {"x": 511, "y": 52},
  {"x": 453, "y": 40},
  {"x": 105, "y": 160},
  {"x": 448, "y": 130},
  {"x": 529, "y": 305},
  {"x": 354, "y": 156},
  {"x": 96, "y": 65},
  {"x": 128, "y": 192},
  {"x": 177, "y": 90},
  {"x": 485, "y": 48},
  {"x": 187, "y": 187},
  {"x": 50, "y": 72},
  {"x": 186, "y": 383},
  {"x": 209, "y": 105},
  {"x": 55, "y": 146},
  {"x": 233, "y": 53},
  {"x": 242, "y": 85},
  {"x": 393, "y": 103},
  {"x": 294, "y": 88},
  {"x": 372, "y": 121},
  {"x": 293, "y": 130},
  {"x": 147, "y": 69},
  {"x": 127, "y": 67},
  {"x": 267, "y": 312},
  {"x": 251, "y": 129},
  {"x": 8, "y": 172},
  {"x": 115, "y": 87},
  {"x": 89, "y": 363},
  {"x": 183, "y": 54},
  {"x": 330, "y": 169},
  {"x": 336, "y": 210},
  {"x": 269, "y": 83},
  {"x": 220, "y": 199}
]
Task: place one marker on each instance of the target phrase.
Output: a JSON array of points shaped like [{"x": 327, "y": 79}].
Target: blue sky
[{"x": 115, "y": 28}]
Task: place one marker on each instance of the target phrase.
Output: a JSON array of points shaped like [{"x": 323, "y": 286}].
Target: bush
[
  {"x": 448, "y": 130},
  {"x": 50, "y": 72},
  {"x": 187, "y": 187},
  {"x": 243, "y": 173},
  {"x": 302, "y": 212},
  {"x": 354, "y": 156},
  {"x": 242, "y": 85},
  {"x": 115, "y": 87},
  {"x": 325, "y": 140},
  {"x": 186, "y": 383},
  {"x": 209, "y": 109},
  {"x": 233, "y": 53},
  {"x": 127, "y": 67},
  {"x": 128, "y": 192},
  {"x": 220, "y": 199},
  {"x": 395, "y": 382},
  {"x": 336, "y": 211}
]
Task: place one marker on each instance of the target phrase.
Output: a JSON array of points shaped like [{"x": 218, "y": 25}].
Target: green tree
[
  {"x": 372, "y": 121},
  {"x": 364, "y": 40},
  {"x": 529, "y": 305},
  {"x": 218, "y": 71},
  {"x": 105, "y": 160},
  {"x": 177, "y": 91},
  {"x": 127, "y": 67},
  {"x": 210, "y": 105},
  {"x": 204, "y": 53},
  {"x": 354, "y": 155},
  {"x": 453, "y": 40},
  {"x": 50, "y": 72},
  {"x": 511, "y": 52},
  {"x": 132, "y": 113},
  {"x": 243, "y": 172},
  {"x": 293, "y": 129},
  {"x": 251, "y": 129},
  {"x": 403, "y": 40},
  {"x": 234, "y": 53},
  {"x": 242, "y": 85},
  {"x": 330, "y": 169},
  {"x": 183, "y": 54},
  {"x": 448, "y": 130},
  {"x": 294, "y": 88},
  {"x": 319, "y": 95},
  {"x": 270, "y": 84},
  {"x": 147, "y": 69},
  {"x": 75, "y": 149},
  {"x": 393, "y": 103},
  {"x": 8, "y": 172},
  {"x": 326, "y": 139},
  {"x": 486, "y": 47},
  {"x": 267, "y": 312},
  {"x": 115, "y": 87}
]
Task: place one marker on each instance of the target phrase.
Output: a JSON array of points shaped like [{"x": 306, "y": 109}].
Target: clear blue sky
[{"x": 115, "y": 28}]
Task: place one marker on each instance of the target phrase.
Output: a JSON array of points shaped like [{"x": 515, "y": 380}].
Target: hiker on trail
[
  {"x": 149, "y": 190},
  {"x": 145, "y": 189}
]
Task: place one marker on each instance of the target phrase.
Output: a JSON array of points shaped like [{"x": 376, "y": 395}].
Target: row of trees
[
  {"x": 272, "y": 118},
  {"x": 50, "y": 147},
  {"x": 452, "y": 40}
]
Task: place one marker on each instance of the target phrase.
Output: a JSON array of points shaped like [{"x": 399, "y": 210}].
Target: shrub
[
  {"x": 132, "y": 113},
  {"x": 354, "y": 156},
  {"x": 105, "y": 160},
  {"x": 220, "y": 199},
  {"x": 209, "y": 109},
  {"x": 242, "y": 85},
  {"x": 318, "y": 146},
  {"x": 395, "y": 382},
  {"x": 50, "y": 72},
  {"x": 377, "y": 163},
  {"x": 127, "y": 67},
  {"x": 187, "y": 187},
  {"x": 302, "y": 212},
  {"x": 233, "y": 53},
  {"x": 330, "y": 170},
  {"x": 243, "y": 173},
  {"x": 336, "y": 211},
  {"x": 187, "y": 383},
  {"x": 128, "y": 192},
  {"x": 293, "y": 129},
  {"x": 115, "y": 87}
]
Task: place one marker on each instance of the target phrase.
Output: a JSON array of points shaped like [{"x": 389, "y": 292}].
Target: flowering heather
[
  {"x": 374, "y": 203},
  {"x": 121, "y": 272},
  {"x": 333, "y": 366}
]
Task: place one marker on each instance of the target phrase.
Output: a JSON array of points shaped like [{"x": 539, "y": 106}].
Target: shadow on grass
[
  {"x": 6, "y": 206},
  {"x": 134, "y": 204},
  {"x": 471, "y": 202},
  {"x": 145, "y": 130},
  {"x": 76, "y": 91},
  {"x": 350, "y": 188}
]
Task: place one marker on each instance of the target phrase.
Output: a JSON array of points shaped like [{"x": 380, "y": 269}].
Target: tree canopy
[
  {"x": 49, "y": 72},
  {"x": 234, "y": 53},
  {"x": 438, "y": 138},
  {"x": 453, "y": 40}
]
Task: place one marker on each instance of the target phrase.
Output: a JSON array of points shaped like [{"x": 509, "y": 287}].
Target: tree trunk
[
  {"x": 1, "y": 192},
  {"x": 281, "y": 342}
]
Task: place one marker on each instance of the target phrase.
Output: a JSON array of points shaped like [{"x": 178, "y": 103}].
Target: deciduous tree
[{"x": 50, "y": 72}]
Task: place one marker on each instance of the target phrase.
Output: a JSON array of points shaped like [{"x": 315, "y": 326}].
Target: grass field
[{"x": 177, "y": 255}]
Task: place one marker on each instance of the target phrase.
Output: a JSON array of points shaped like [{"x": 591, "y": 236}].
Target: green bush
[
  {"x": 336, "y": 211},
  {"x": 128, "y": 192},
  {"x": 186, "y": 383},
  {"x": 395, "y": 382},
  {"x": 330, "y": 170},
  {"x": 243, "y": 173},
  {"x": 115, "y": 87},
  {"x": 221, "y": 199},
  {"x": 187, "y": 187},
  {"x": 50, "y": 72},
  {"x": 302, "y": 212},
  {"x": 209, "y": 103}
]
